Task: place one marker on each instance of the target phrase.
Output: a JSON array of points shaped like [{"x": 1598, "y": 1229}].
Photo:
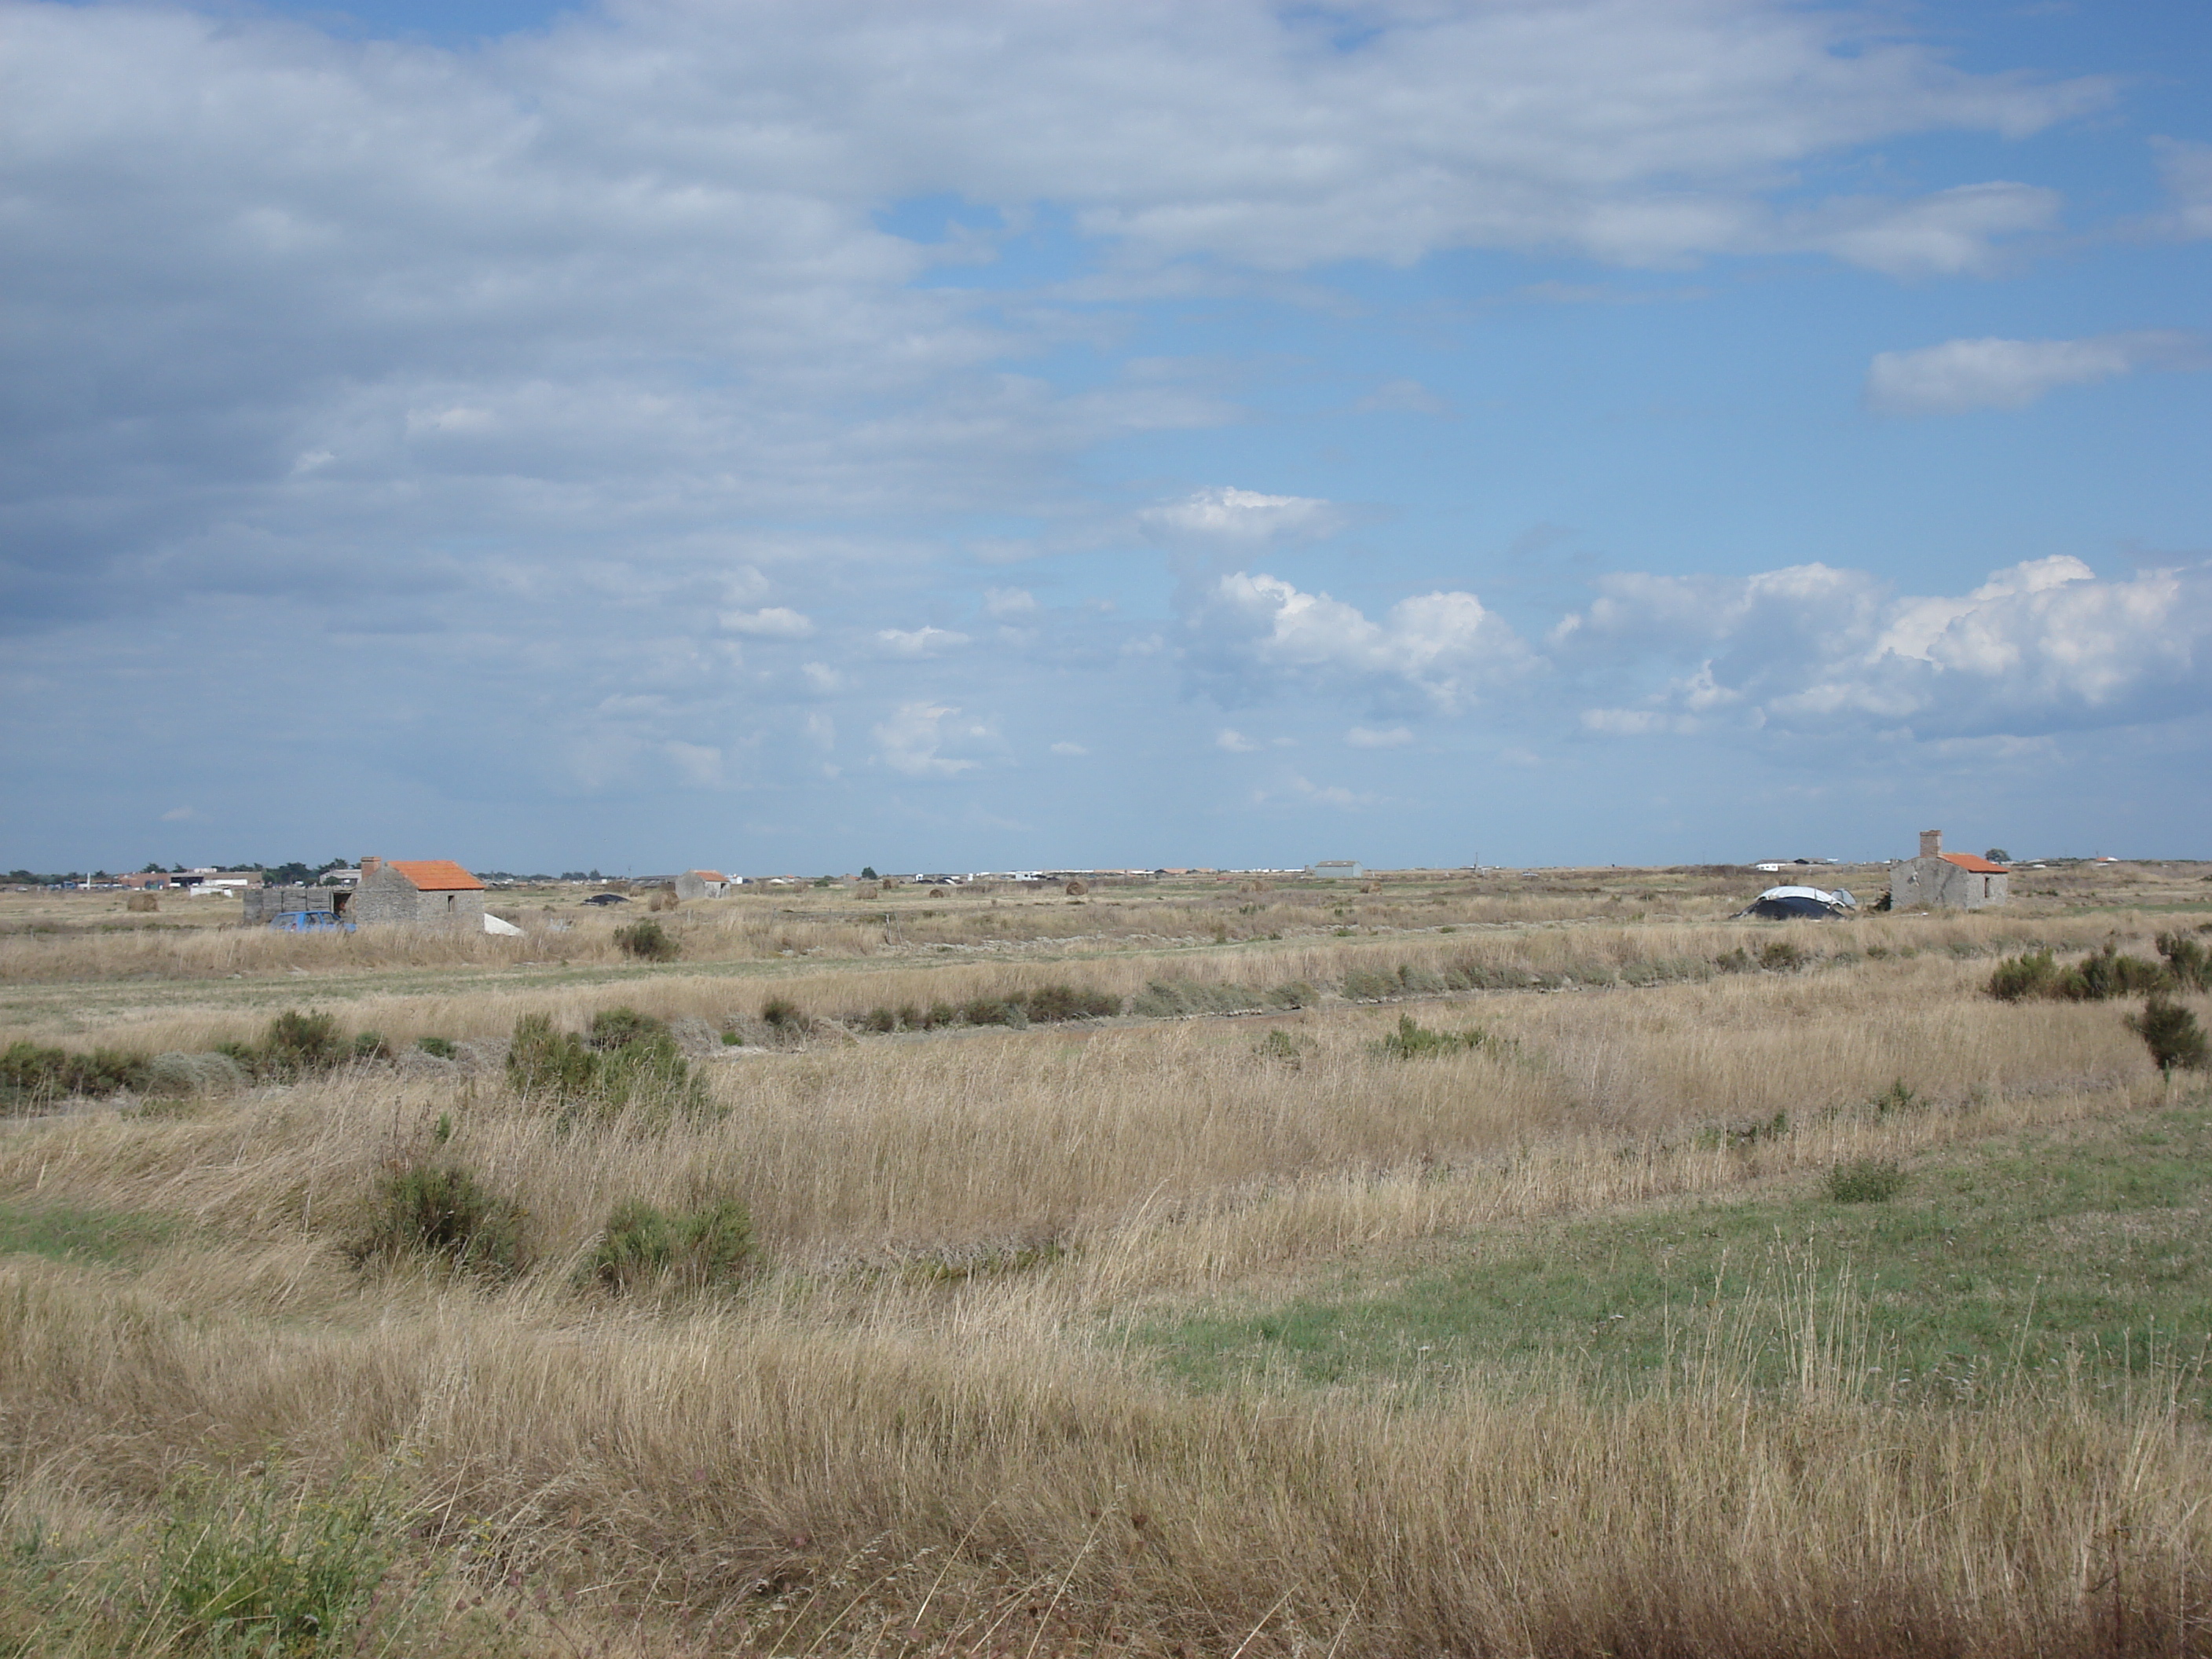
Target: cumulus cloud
[
  {"x": 1065, "y": 748},
  {"x": 917, "y": 641},
  {"x": 909, "y": 740},
  {"x": 1242, "y": 516},
  {"x": 775, "y": 623},
  {"x": 1002, "y": 603},
  {"x": 1391, "y": 737},
  {"x": 2044, "y": 646},
  {"x": 1444, "y": 645},
  {"x": 1235, "y": 742},
  {"x": 1963, "y": 375},
  {"x": 2187, "y": 168}
]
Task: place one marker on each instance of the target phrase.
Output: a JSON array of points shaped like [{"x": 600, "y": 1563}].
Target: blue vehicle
[{"x": 308, "y": 922}]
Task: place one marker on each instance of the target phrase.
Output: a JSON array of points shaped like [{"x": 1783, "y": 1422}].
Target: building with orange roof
[
  {"x": 426, "y": 892},
  {"x": 1938, "y": 880},
  {"x": 702, "y": 883}
]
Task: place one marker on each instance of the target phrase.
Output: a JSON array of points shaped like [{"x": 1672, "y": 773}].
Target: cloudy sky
[{"x": 797, "y": 435}]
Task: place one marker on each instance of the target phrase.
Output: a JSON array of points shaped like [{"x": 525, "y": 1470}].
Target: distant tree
[
  {"x": 152, "y": 869},
  {"x": 868, "y": 874},
  {"x": 1997, "y": 855}
]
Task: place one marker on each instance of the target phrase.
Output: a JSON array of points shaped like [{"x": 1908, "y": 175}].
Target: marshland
[{"x": 1504, "y": 1262}]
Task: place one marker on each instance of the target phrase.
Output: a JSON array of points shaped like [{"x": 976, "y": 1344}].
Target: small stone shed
[
  {"x": 426, "y": 892},
  {"x": 1946, "y": 881},
  {"x": 702, "y": 883},
  {"x": 266, "y": 903}
]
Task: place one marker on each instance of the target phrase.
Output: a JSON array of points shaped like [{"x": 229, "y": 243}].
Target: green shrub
[
  {"x": 1783, "y": 956},
  {"x": 733, "y": 1040},
  {"x": 1366, "y": 985},
  {"x": 992, "y": 1010},
  {"x": 1281, "y": 1048},
  {"x": 440, "y": 1210},
  {"x": 438, "y": 1048},
  {"x": 268, "y": 1572},
  {"x": 370, "y": 1045},
  {"x": 2108, "y": 973},
  {"x": 1168, "y": 999},
  {"x": 1411, "y": 1040},
  {"x": 1865, "y": 1181},
  {"x": 877, "y": 1019},
  {"x": 783, "y": 1014},
  {"x": 694, "y": 1250},
  {"x": 1734, "y": 961},
  {"x": 32, "y": 1076},
  {"x": 1056, "y": 1001},
  {"x": 2032, "y": 973},
  {"x": 625, "y": 1058},
  {"x": 300, "y": 1044},
  {"x": 1293, "y": 993},
  {"x": 1897, "y": 1098},
  {"x": 2188, "y": 963},
  {"x": 646, "y": 940},
  {"x": 2170, "y": 1031}
]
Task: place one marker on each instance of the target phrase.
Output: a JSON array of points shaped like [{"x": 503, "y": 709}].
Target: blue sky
[{"x": 792, "y": 437}]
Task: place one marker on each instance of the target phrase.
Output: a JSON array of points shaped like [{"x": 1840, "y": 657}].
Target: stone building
[
  {"x": 265, "y": 904},
  {"x": 702, "y": 883},
  {"x": 1946, "y": 881},
  {"x": 429, "y": 892}
]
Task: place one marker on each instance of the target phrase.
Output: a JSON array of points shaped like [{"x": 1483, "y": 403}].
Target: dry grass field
[{"x": 1537, "y": 1263}]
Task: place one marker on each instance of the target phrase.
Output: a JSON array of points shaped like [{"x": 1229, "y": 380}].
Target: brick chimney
[
  {"x": 1931, "y": 844},
  {"x": 369, "y": 866}
]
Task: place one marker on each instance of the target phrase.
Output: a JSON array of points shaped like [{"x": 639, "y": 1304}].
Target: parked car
[
  {"x": 308, "y": 922},
  {"x": 606, "y": 898}
]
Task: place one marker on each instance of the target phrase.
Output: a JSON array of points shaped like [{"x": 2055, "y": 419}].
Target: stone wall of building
[
  {"x": 1935, "y": 883},
  {"x": 263, "y": 903}
]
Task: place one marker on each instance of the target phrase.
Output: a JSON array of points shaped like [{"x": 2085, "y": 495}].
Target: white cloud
[
  {"x": 917, "y": 641},
  {"x": 1331, "y": 794},
  {"x": 1235, "y": 742},
  {"x": 2187, "y": 168},
  {"x": 1444, "y": 644},
  {"x": 1393, "y": 737},
  {"x": 1403, "y": 398},
  {"x": 179, "y": 815},
  {"x": 1065, "y": 748},
  {"x": 908, "y": 741},
  {"x": 1001, "y": 604},
  {"x": 822, "y": 678},
  {"x": 775, "y": 623},
  {"x": 1952, "y": 233},
  {"x": 700, "y": 763},
  {"x": 1232, "y": 515},
  {"x": 1992, "y": 373},
  {"x": 2042, "y": 646}
]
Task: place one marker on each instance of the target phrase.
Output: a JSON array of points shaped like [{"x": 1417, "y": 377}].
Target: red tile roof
[
  {"x": 435, "y": 875},
  {"x": 1980, "y": 866},
  {"x": 707, "y": 875}
]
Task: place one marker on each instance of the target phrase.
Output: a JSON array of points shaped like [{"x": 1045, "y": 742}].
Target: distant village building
[
  {"x": 427, "y": 892},
  {"x": 1337, "y": 870},
  {"x": 1946, "y": 881},
  {"x": 702, "y": 883}
]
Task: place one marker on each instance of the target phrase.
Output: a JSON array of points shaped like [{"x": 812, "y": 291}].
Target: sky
[{"x": 650, "y": 434}]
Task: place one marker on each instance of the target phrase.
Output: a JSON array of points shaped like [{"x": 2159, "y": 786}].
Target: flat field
[{"x": 1524, "y": 1262}]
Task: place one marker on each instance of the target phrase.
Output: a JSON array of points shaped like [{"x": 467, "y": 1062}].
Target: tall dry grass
[{"x": 758, "y": 1484}]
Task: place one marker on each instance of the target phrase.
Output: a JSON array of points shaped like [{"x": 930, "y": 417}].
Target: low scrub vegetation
[
  {"x": 31, "y": 1077},
  {"x": 647, "y": 940},
  {"x": 438, "y": 1211},
  {"x": 705, "y": 1248},
  {"x": 623, "y": 1060},
  {"x": 1412, "y": 1041},
  {"x": 2104, "y": 974},
  {"x": 2176, "y": 1040}
]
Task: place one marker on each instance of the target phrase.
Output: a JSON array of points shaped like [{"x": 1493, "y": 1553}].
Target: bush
[
  {"x": 784, "y": 1015},
  {"x": 1865, "y": 1181},
  {"x": 1783, "y": 956},
  {"x": 2030, "y": 975},
  {"x": 32, "y": 1076},
  {"x": 2188, "y": 963},
  {"x": 442, "y": 1212},
  {"x": 1053, "y": 1002},
  {"x": 1293, "y": 993},
  {"x": 438, "y": 1048},
  {"x": 2172, "y": 1033},
  {"x": 370, "y": 1045},
  {"x": 647, "y": 941},
  {"x": 271, "y": 1572},
  {"x": 1279, "y": 1047},
  {"x": 1366, "y": 985},
  {"x": 298, "y": 1044},
  {"x": 696, "y": 1249},
  {"x": 626, "y": 1058},
  {"x": 1412, "y": 1041}
]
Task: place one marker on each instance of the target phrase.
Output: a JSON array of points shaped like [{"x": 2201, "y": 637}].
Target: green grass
[
  {"x": 63, "y": 1232},
  {"x": 2017, "y": 1252}
]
